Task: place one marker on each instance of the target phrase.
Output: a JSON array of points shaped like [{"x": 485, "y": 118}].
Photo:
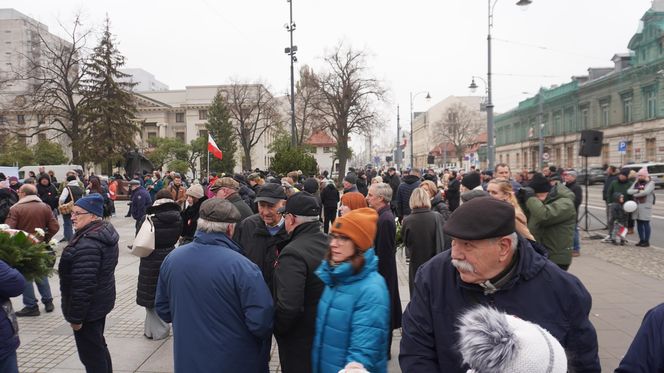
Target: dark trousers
[
  {"x": 8, "y": 364},
  {"x": 328, "y": 219},
  {"x": 92, "y": 349}
]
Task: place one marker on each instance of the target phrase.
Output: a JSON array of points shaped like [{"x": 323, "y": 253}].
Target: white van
[
  {"x": 59, "y": 170},
  {"x": 656, "y": 171},
  {"x": 9, "y": 171}
]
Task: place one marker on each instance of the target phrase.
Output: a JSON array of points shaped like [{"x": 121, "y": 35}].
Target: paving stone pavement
[{"x": 625, "y": 282}]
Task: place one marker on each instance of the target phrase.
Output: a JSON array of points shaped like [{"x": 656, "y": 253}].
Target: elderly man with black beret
[
  {"x": 490, "y": 264},
  {"x": 216, "y": 298}
]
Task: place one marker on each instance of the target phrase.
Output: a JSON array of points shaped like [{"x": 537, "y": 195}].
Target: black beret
[
  {"x": 540, "y": 184},
  {"x": 481, "y": 218},
  {"x": 471, "y": 180}
]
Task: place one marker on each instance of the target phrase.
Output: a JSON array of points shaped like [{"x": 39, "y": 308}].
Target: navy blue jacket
[
  {"x": 87, "y": 273},
  {"x": 140, "y": 201},
  {"x": 12, "y": 284},
  {"x": 409, "y": 183},
  {"x": 645, "y": 355},
  {"x": 219, "y": 305},
  {"x": 539, "y": 292}
]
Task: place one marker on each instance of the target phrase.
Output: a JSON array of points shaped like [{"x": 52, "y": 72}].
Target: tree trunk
[{"x": 246, "y": 161}]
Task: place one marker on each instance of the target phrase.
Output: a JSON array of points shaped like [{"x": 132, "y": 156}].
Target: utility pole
[
  {"x": 290, "y": 27},
  {"x": 397, "y": 152}
]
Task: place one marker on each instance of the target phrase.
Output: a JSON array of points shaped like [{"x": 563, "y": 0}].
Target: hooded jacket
[
  {"x": 47, "y": 193},
  {"x": 167, "y": 227},
  {"x": 429, "y": 334},
  {"x": 645, "y": 353},
  {"x": 352, "y": 321},
  {"x": 409, "y": 183},
  {"x": 552, "y": 223},
  {"x": 329, "y": 196},
  {"x": 87, "y": 273},
  {"x": 190, "y": 219}
]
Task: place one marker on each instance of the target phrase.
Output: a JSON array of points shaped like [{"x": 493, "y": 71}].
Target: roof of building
[{"x": 320, "y": 138}]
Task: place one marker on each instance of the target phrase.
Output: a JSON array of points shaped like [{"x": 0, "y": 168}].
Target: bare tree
[
  {"x": 54, "y": 80},
  {"x": 349, "y": 97},
  {"x": 253, "y": 110},
  {"x": 460, "y": 127},
  {"x": 307, "y": 99}
]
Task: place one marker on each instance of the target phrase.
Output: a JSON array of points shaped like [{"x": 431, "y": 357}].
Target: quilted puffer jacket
[
  {"x": 87, "y": 273},
  {"x": 168, "y": 225},
  {"x": 352, "y": 324}
]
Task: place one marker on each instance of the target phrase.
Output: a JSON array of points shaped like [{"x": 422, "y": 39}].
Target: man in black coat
[
  {"x": 385, "y": 246},
  {"x": 329, "y": 197},
  {"x": 394, "y": 181},
  {"x": 408, "y": 184},
  {"x": 453, "y": 193},
  {"x": 87, "y": 281},
  {"x": 297, "y": 289},
  {"x": 261, "y": 234}
]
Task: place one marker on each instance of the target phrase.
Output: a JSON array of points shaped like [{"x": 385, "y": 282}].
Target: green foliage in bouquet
[
  {"x": 34, "y": 261},
  {"x": 399, "y": 237}
]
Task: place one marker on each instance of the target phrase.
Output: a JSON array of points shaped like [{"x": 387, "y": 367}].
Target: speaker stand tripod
[{"x": 587, "y": 214}]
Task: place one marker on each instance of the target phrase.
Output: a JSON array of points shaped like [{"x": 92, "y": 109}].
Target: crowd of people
[{"x": 241, "y": 258}]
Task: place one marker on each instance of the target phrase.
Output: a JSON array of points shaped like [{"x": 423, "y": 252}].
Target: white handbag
[{"x": 144, "y": 242}]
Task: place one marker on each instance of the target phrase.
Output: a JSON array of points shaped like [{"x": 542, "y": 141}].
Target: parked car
[
  {"x": 597, "y": 176},
  {"x": 656, "y": 171}
]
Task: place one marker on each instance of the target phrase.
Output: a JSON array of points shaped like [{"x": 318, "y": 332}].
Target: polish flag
[{"x": 213, "y": 148}]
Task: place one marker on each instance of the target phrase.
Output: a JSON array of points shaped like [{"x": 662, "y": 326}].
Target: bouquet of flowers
[{"x": 27, "y": 253}]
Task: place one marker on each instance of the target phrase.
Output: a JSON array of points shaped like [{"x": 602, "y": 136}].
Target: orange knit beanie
[
  {"x": 354, "y": 200},
  {"x": 358, "y": 225}
]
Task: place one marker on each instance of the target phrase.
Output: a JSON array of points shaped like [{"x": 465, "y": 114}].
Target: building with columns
[
  {"x": 624, "y": 101},
  {"x": 182, "y": 114}
]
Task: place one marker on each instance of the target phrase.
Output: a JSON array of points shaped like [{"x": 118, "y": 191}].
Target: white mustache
[{"x": 463, "y": 266}]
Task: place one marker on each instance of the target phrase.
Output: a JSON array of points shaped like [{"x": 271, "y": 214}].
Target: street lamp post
[
  {"x": 412, "y": 118},
  {"x": 489, "y": 103},
  {"x": 290, "y": 27}
]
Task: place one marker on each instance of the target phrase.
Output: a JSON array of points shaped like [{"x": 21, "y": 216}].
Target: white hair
[
  {"x": 213, "y": 226},
  {"x": 383, "y": 191}
]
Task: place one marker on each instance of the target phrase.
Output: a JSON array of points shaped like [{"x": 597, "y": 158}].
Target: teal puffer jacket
[{"x": 353, "y": 323}]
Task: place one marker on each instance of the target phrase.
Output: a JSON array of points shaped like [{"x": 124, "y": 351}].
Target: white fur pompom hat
[{"x": 491, "y": 341}]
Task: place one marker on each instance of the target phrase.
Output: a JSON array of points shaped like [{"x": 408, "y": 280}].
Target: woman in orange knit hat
[
  {"x": 352, "y": 201},
  {"x": 352, "y": 323}
]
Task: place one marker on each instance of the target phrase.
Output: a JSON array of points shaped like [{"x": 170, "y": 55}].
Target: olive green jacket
[{"x": 552, "y": 223}]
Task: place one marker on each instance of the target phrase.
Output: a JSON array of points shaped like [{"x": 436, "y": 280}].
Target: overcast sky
[{"x": 415, "y": 46}]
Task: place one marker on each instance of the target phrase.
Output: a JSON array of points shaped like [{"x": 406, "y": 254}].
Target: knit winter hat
[
  {"x": 471, "y": 180},
  {"x": 94, "y": 204},
  {"x": 353, "y": 200},
  {"x": 196, "y": 191},
  {"x": 540, "y": 184},
  {"x": 492, "y": 341},
  {"x": 359, "y": 225},
  {"x": 643, "y": 172}
]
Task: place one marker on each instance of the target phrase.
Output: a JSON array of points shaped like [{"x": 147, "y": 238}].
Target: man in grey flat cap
[
  {"x": 220, "y": 307},
  {"x": 489, "y": 264}
]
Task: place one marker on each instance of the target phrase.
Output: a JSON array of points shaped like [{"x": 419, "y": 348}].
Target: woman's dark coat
[
  {"x": 190, "y": 219},
  {"x": 168, "y": 225},
  {"x": 419, "y": 235}
]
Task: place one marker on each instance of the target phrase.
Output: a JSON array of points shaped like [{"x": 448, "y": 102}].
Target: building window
[
  {"x": 627, "y": 108},
  {"x": 41, "y": 119},
  {"x": 180, "y": 136},
  {"x": 3, "y": 120},
  {"x": 327, "y": 149},
  {"x": 202, "y": 114},
  {"x": 203, "y": 133},
  {"x": 557, "y": 124},
  {"x": 585, "y": 118},
  {"x": 651, "y": 103},
  {"x": 41, "y": 137},
  {"x": 20, "y": 119},
  {"x": 651, "y": 148},
  {"x": 152, "y": 135},
  {"x": 604, "y": 113},
  {"x": 179, "y": 117}
]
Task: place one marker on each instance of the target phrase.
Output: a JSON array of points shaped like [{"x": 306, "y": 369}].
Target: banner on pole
[{"x": 213, "y": 148}]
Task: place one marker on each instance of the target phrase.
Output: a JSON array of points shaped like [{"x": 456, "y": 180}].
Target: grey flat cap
[{"x": 219, "y": 210}]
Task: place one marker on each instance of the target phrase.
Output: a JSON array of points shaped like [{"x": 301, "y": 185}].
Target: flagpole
[{"x": 208, "y": 166}]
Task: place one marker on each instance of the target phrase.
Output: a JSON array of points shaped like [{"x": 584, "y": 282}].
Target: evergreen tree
[
  {"x": 110, "y": 109},
  {"x": 47, "y": 152},
  {"x": 219, "y": 126}
]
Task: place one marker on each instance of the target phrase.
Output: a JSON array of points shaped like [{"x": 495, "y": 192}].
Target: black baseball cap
[
  {"x": 301, "y": 204},
  {"x": 271, "y": 193}
]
